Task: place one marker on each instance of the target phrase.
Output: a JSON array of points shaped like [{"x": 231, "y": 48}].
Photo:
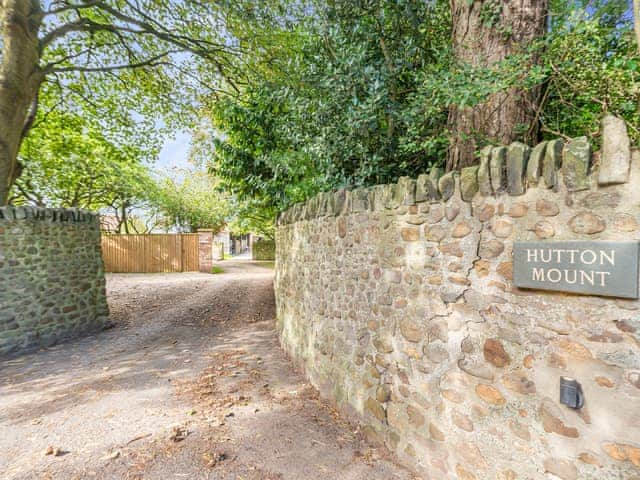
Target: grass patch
[
  {"x": 216, "y": 269},
  {"x": 267, "y": 264}
]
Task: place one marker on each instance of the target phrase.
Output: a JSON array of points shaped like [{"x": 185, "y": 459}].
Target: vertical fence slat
[
  {"x": 191, "y": 252},
  {"x": 151, "y": 253}
]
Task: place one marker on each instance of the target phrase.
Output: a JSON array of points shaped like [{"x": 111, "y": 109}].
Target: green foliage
[
  {"x": 334, "y": 105},
  {"x": 253, "y": 216},
  {"x": 69, "y": 161},
  {"x": 323, "y": 95},
  {"x": 351, "y": 93},
  {"x": 117, "y": 77},
  {"x": 215, "y": 270},
  {"x": 592, "y": 68},
  {"x": 128, "y": 64},
  {"x": 491, "y": 13},
  {"x": 190, "y": 201}
]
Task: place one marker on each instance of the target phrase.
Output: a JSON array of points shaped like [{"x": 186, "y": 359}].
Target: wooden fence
[{"x": 152, "y": 253}]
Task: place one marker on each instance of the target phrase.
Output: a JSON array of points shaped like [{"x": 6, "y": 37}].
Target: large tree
[
  {"x": 130, "y": 43},
  {"x": 486, "y": 32},
  {"x": 359, "y": 93},
  {"x": 190, "y": 200}
]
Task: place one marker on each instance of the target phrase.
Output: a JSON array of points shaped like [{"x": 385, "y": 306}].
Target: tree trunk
[
  {"x": 636, "y": 21},
  {"x": 486, "y": 32},
  {"x": 20, "y": 79},
  {"x": 125, "y": 220}
]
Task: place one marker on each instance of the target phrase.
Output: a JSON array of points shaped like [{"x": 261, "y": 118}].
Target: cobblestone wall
[
  {"x": 52, "y": 284},
  {"x": 398, "y": 303}
]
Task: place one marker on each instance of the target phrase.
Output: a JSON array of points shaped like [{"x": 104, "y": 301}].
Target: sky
[{"x": 175, "y": 152}]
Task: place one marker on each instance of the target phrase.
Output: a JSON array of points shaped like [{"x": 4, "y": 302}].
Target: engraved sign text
[{"x": 589, "y": 267}]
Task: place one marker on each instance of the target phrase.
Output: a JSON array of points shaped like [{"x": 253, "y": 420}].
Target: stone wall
[
  {"x": 398, "y": 303},
  {"x": 264, "y": 250},
  {"x": 52, "y": 284}
]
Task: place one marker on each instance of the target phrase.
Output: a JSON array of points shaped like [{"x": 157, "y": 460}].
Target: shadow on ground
[{"x": 191, "y": 383}]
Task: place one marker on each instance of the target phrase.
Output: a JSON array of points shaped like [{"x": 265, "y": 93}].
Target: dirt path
[{"x": 190, "y": 384}]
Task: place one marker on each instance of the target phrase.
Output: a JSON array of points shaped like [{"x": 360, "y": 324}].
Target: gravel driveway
[{"x": 191, "y": 384}]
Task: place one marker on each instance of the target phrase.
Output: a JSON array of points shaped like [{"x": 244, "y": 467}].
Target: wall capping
[
  {"x": 502, "y": 171},
  {"x": 51, "y": 215}
]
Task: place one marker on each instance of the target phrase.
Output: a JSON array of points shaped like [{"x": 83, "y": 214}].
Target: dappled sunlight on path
[{"x": 191, "y": 383}]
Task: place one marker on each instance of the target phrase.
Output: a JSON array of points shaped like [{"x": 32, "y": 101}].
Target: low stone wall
[
  {"x": 52, "y": 284},
  {"x": 264, "y": 250},
  {"x": 398, "y": 303}
]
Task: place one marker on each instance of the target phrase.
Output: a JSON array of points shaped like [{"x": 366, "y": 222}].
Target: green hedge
[{"x": 264, "y": 250}]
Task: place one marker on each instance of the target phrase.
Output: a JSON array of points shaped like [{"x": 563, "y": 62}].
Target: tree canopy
[
  {"x": 286, "y": 98},
  {"x": 126, "y": 65},
  {"x": 191, "y": 201},
  {"x": 358, "y": 93}
]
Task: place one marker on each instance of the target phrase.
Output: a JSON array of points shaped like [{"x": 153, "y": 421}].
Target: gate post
[{"x": 205, "y": 250}]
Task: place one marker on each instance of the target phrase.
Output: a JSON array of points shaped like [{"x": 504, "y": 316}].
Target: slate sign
[{"x": 590, "y": 267}]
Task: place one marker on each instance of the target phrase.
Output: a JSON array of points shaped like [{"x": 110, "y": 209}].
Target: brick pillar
[{"x": 205, "y": 250}]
